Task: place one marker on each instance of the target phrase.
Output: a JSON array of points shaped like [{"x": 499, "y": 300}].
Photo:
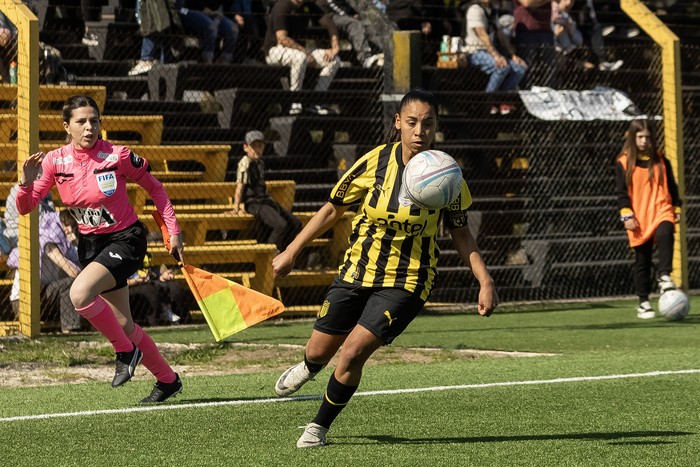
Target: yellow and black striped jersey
[{"x": 391, "y": 245}]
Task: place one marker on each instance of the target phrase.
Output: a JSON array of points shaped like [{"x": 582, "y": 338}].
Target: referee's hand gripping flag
[{"x": 227, "y": 306}]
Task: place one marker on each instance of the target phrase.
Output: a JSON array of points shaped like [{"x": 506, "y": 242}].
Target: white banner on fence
[{"x": 601, "y": 103}]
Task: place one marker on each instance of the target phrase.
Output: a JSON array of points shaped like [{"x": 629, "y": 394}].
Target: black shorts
[
  {"x": 120, "y": 252},
  {"x": 383, "y": 311}
]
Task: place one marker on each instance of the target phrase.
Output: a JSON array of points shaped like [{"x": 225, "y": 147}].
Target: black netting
[{"x": 544, "y": 211}]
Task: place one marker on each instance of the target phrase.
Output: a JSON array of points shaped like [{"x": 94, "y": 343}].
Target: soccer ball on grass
[
  {"x": 674, "y": 305},
  {"x": 431, "y": 180}
]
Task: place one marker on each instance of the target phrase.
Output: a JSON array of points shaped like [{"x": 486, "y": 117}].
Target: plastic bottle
[
  {"x": 444, "y": 47},
  {"x": 13, "y": 72}
]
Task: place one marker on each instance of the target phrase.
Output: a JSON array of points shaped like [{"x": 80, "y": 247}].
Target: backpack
[{"x": 51, "y": 69}]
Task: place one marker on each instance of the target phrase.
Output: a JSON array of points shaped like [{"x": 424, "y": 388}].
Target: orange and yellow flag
[{"x": 228, "y": 307}]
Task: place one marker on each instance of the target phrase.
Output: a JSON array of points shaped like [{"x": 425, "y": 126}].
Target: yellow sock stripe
[{"x": 333, "y": 403}]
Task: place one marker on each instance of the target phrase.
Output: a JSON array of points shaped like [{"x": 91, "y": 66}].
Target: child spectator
[
  {"x": 650, "y": 205},
  {"x": 252, "y": 196},
  {"x": 566, "y": 34},
  {"x": 155, "y": 297}
]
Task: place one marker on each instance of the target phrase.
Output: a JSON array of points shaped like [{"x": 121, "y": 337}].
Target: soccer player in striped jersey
[
  {"x": 389, "y": 268},
  {"x": 649, "y": 203}
]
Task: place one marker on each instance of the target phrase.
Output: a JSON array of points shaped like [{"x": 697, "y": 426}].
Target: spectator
[
  {"x": 155, "y": 297},
  {"x": 58, "y": 265},
  {"x": 566, "y": 34},
  {"x": 444, "y": 17},
  {"x": 57, "y": 293},
  {"x": 157, "y": 20},
  {"x": 409, "y": 15},
  {"x": 505, "y": 74},
  {"x": 348, "y": 20},
  {"x": 593, "y": 33},
  {"x": 281, "y": 49},
  {"x": 252, "y": 196},
  {"x": 243, "y": 15},
  {"x": 533, "y": 31},
  {"x": 206, "y": 19},
  {"x": 12, "y": 216},
  {"x": 88, "y": 11},
  {"x": 649, "y": 203}
]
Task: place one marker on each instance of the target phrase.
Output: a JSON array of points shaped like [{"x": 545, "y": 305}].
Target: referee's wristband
[{"x": 626, "y": 218}]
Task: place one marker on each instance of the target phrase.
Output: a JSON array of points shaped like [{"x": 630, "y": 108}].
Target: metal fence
[{"x": 544, "y": 212}]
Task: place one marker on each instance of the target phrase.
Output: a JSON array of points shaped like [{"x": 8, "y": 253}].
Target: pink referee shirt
[{"x": 92, "y": 183}]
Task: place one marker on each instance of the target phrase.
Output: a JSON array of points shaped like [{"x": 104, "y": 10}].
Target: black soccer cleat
[
  {"x": 126, "y": 366},
  {"x": 162, "y": 391}
]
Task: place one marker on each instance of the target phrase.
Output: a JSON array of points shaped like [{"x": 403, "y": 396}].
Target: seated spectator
[
  {"x": 58, "y": 264},
  {"x": 281, "y": 49},
  {"x": 566, "y": 34},
  {"x": 155, "y": 297},
  {"x": 411, "y": 15},
  {"x": 252, "y": 196},
  {"x": 534, "y": 39},
  {"x": 158, "y": 22},
  {"x": 88, "y": 10},
  {"x": 505, "y": 74},
  {"x": 348, "y": 21},
  {"x": 11, "y": 215},
  {"x": 8, "y": 46},
  {"x": 243, "y": 15},
  {"x": 593, "y": 33},
  {"x": 207, "y": 20},
  {"x": 408, "y": 15},
  {"x": 56, "y": 295}
]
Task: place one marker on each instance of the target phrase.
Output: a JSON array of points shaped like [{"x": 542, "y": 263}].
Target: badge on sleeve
[{"x": 136, "y": 161}]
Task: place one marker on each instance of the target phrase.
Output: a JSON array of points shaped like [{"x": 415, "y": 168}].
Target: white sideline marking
[{"x": 364, "y": 393}]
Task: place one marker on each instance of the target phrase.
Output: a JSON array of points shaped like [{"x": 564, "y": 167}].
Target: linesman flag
[{"x": 227, "y": 306}]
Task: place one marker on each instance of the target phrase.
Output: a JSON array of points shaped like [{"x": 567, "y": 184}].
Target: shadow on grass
[
  {"x": 639, "y": 325},
  {"x": 243, "y": 400},
  {"x": 621, "y": 437}
]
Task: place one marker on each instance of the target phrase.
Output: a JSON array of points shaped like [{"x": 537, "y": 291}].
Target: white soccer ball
[
  {"x": 674, "y": 305},
  {"x": 431, "y": 180}
]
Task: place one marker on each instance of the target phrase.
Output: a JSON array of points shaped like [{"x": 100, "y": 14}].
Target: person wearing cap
[
  {"x": 389, "y": 268},
  {"x": 251, "y": 194}
]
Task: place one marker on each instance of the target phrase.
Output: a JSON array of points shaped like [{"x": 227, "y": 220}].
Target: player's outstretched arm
[
  {"x": 325, "y": 217},
  {"x": 465, "y": 245}
]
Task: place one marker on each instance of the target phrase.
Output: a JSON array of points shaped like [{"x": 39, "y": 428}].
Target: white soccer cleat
[
  {"x": 293, "y": 379},
  {"x": 314, "y": 436},
  {"x": 644, "y": 311},
  {"x": 665, "y": 283}
]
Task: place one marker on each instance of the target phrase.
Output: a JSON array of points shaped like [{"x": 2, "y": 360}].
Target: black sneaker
[
  {"x": 126, "y": 365},
  {"x": 162, "y": 391}
]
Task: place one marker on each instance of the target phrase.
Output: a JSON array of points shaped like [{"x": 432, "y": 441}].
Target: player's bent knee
[{"x": 81, "y": 295}]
